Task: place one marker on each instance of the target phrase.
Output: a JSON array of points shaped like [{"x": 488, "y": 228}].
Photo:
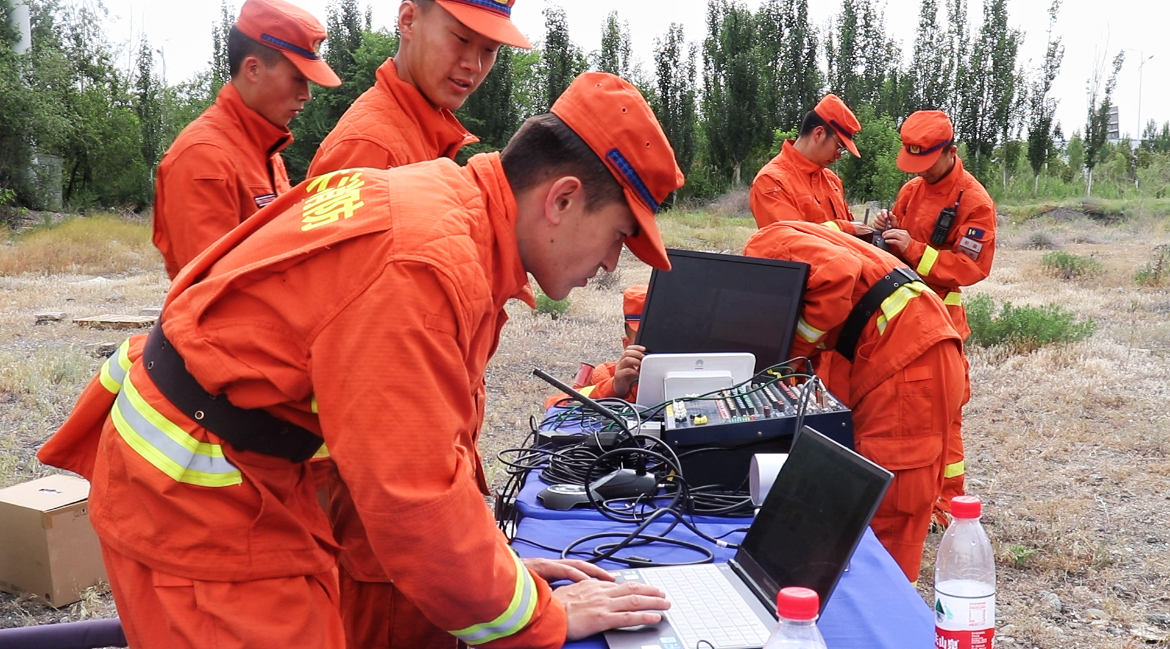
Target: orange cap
[
  {"x": 925, "y": 135},
  {"x": 837, "y": 114},
  {"x": 291, "y": 30},
  {"x": 633, "y": 303},
  {"x": 490, "y": 18},
  {"x": 610, "y": 115}
]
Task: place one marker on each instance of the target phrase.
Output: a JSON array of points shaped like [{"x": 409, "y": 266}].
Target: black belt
[
  {"x": 868, "y": 305},
  {"x": 249, "y": 430}
]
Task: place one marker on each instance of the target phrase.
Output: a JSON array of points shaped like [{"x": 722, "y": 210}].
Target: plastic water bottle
[
  {"x": 797, "y": 628},
  {"x": 964, "y": 581}
]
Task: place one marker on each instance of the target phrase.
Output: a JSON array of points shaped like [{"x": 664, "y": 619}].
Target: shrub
[
  {"x": 607, "y": 281},
  {"x": 1066, "y": 265},
  {"x": 1155, "y": 270},
  {"x": 1040, "y": 240},
  {"x": 1023, "y": 329},
  {"x": 554, "y": 308}
]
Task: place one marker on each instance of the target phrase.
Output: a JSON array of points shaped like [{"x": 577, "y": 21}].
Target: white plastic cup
[{"x": 765, "y": 468}]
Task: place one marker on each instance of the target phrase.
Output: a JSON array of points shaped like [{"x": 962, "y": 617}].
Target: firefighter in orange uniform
[
  {"x": 226, "y": 165},
  {"x": 617, "y": 379},
  {"x": 948, "y": 256},
  {"x": 907, "y": 375},
  {"x": 797, "y": 183},
  {"x": 305, "y": 319},
  {"x": 446, "y": 49}
]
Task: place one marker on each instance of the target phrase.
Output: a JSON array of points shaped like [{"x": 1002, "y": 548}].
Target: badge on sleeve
[
  {"x": 970, "y": 247},
  {"x": 975, "y": 233},
  {"x": 264, "y": 199}
]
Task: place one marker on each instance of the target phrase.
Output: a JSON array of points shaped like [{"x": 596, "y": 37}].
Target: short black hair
[
  {"x": 811, "y": 121},
  {"x": 544, "y": 148},
  {"x": 241, "y": 47}
]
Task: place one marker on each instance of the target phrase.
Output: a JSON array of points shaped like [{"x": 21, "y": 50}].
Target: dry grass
[
  {"x": 104, "y": 244},
  {"x": 1068, "y": 446}
]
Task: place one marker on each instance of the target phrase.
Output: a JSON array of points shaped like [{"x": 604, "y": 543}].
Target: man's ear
[
  {"x": 408, "y": 12},
  {"x": 250, "y": 68},
  {"x": 564, "y": 195}
]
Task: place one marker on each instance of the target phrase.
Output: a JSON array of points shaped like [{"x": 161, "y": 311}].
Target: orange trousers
[
  {"x": 377, "y": 616},
  {"x": 161, "y": 611},
  {"x": 905, "y": 425}
]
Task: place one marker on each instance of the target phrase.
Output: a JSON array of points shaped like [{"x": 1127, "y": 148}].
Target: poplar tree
[
  {"x": 616, "y": 47},
  {"x": 985, "y": 114},
  {"x": 221, "y": 72},
  {"x": 491, "y": 112},
  {"x": 1042, "y": 107},
  {"x": 1101, "y": 87},
  {"x": 799, "y": 69},
  {"x": 930, "y": 66},
  {"x": 562, "y": 60},
  {"x": 674, "y": 98},
  {"x": 731, "y": 88},
  {"x": 148, "y": 97}
]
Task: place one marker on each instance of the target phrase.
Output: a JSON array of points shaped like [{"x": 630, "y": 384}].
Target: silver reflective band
[{"x": 515, "y": 618}]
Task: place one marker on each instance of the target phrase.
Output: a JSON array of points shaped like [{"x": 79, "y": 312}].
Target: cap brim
[
  {"x": 847, "y": 141},
  {"x": 485, "y": 23},
  {"x": 916, "y": 164},
  {"x": 317, "y": 71},
  {"x": 648, "y": 245}
]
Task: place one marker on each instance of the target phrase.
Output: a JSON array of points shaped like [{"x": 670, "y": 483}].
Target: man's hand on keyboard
[
  {"x": 593, "y": 606},
  {"x": 552, "y": 570}
]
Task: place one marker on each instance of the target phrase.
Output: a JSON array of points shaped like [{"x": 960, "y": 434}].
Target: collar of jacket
[
  {"x": 438, "y": 126},
  {"x": 948, "y": 184},
  {"x": 796, "y": 160},
  {"x": 261, "y": 133},
  {"x": 510, "y": 280}
]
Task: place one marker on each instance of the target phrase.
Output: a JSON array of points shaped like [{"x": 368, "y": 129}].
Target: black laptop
[{"x": 804, "y": 535}]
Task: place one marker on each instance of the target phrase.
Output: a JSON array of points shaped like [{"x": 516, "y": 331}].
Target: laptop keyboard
[{"x": 705, "y": 606}]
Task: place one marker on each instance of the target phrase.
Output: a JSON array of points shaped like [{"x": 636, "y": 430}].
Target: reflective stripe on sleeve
[
  {"x": 587, "y": 390},
  {"x": 929, "y": 256},
  {"x": 955, "y": 470},
  {"x": 113, "y": 371},
  {"x": 516, "y": 617},
  {"x": 897, "y": 301},
  {"x": 167, "y": 446},
  {"x": 954, "y": 298},
  {"x": 832, "y": 225},
  {"x": 321, "y": 452},
  {"x": 808, "y": 332}
]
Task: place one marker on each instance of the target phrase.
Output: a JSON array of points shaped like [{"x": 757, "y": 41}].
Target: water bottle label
[
  {"x": 982, "y": 639},
  {"x": 964, "y": 622}
]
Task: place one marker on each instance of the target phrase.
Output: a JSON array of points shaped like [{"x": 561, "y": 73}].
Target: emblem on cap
[
  {"x": 317, "y": 45},
  {"x": 915, "y": 149}
]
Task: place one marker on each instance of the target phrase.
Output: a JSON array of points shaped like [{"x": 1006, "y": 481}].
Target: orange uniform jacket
[
  {"x": 792, "y": 184},
  {"x": 390, "y": 125},
  {"x": 600, "y": 386},
  {"x": 966, "y": 257},
  {"x": 322, "y": 304},
  {"x": 843, "y": 269},
  {"x": 221, "y": 169}
]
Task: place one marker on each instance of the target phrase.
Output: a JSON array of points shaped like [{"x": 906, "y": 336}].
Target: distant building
[
  {"x": 22, "y": 21},
  {"x": 1114, "y": 131}
]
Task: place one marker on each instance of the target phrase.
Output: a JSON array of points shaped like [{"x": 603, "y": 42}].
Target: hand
[
  {"x": 898, "y": 240},
  {"x": 573, "y": 569},
  {"x": 593, "y": 606},
  {"x": 861, "y": 230},
  {"x": 628, "y": 368},
  {"x": 885, "y": 220}
]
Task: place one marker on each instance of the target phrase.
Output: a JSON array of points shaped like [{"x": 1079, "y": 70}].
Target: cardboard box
[{"x": 47, "y": 544}]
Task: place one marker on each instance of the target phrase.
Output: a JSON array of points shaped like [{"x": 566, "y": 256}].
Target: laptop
[{"x": 804, "y": 535}]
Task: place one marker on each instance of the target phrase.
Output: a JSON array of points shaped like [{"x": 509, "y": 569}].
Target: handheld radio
[{"x": 942, "y": 227}]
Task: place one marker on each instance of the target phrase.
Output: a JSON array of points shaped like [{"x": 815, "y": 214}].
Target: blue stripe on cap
[
  {"x": 841, "y": 129},
  {"x": 632, "y": 178},
  {"x": 634, "y": 317},
  {"x": 931, "y": 149},
  {"x": 490, "y": 5},
  {"x": 272, "y": 40}
]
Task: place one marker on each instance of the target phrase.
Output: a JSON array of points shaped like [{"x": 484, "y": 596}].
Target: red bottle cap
[
  {"x": 966, "y": 507},
  {"x": 796, "y": 603}
]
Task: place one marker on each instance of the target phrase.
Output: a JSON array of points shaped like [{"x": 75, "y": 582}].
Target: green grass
[
  {"x": 1023, "y": 329},
  {"x": 102, "y": 244},
  {"x": 1154, "y": 272},
  {"x": 705, "y": 230},
  {"x": 552, "y": 308},
  {"x": 1066, "y": 265}
]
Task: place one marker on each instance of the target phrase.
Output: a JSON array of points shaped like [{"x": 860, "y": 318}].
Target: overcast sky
[{"x": 1092, "y": 31}]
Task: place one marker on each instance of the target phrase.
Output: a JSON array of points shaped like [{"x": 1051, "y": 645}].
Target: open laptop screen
[
  {"x": 711, "y": 302},
  {"x": 813, "y": 517}
]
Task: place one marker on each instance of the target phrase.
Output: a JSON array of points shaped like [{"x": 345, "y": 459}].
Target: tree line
[{"x": 84, "y": 121}]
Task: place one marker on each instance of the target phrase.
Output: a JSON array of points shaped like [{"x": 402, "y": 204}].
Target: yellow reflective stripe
[
  {"x": 587, "y": 390},
  {"x": 929, "y": 256},
  {"x": 955, "y": 470},
  {"x": 832, "y": 225},
  {"x": 954, "y": 298},
  {"x": 321, "y": 452},
  {"x": 808, "y": 332},
  {"x": 113, "y": 371},
  {"x": 167, "y": 446},
  {"x": 516, "y": 617},
  {"x": 897, "y": 301},
  {"x": 313, "y": 404}
]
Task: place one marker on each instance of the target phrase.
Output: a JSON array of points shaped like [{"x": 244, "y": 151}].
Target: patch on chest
[
  {"x": 970, "y": 247},
  {"x": 264, "y": 199}
]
